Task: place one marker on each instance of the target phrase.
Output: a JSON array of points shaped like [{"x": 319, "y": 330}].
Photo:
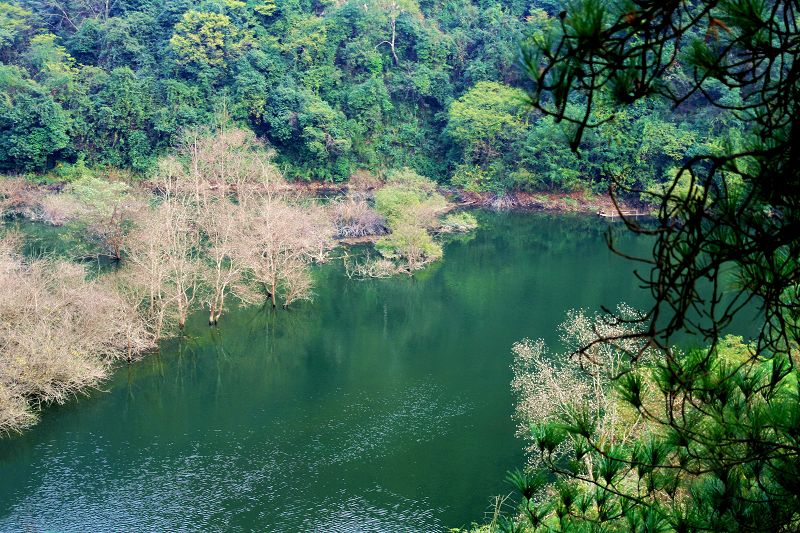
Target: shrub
[
  {"x": 353, "y": 217},
  {"x": 19, "y": 198},
  {"x": 363, "y": 180},
  {"x": 460, "y": 222},
  {"x": 412, "y": 244},
  {"x": 59, "y": 209},
  {"x": 409, "y": 198},
  {"x": 59, "y": 334}
]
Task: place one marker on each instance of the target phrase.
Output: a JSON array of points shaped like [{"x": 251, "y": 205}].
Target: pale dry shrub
[
  {"x": 362, "y": 181},
  {"x": 261, "y": 248},
  {"x": 354, "y": 217},
  {"x": 551, "y": 387},
  {"x": 370, "y": 267},
  {"x": 15, "y": 412},
  {"x": 296, "y": 283},
  {"x": 19, "y": 198},
  {"x": 545, "y": 390},
  {"x": 502, "y": 202},
  {"x": 59, "y": 209},
  {"x": 59, "y": 334},
  {"x": 214, "y": 176},
  {"x": 319, "y": 226}
]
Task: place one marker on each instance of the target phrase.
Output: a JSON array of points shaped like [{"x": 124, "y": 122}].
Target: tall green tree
[{"x": 33, "y": 127}]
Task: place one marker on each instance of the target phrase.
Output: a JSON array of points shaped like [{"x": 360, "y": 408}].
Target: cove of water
[{"x": 383, "y": 405}]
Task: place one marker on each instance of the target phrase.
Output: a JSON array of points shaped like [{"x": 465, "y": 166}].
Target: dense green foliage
[
  {"x": 713, "y": 443},
  {"x": 334, "y": 86},
  {"x": 411, "y": 206},
  {"x": 607, "y": 431}
]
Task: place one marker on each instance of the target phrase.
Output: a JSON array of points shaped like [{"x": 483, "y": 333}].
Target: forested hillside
[{"x": 334, "y": 86}]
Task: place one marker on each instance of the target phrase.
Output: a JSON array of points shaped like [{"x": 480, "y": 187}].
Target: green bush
[
  {"x": 459, "y": 222},
  {"x": 411, "y": 244},
  {"x": 409, "y": 198}
]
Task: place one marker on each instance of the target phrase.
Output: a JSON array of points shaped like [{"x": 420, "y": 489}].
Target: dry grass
[
  {"x": 363, "y": 180},
  {"x": 58, "y": 209}
]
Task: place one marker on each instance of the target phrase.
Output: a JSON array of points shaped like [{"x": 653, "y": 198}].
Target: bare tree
[
  {"x": 283, "y": 239},
  {"x": 230, "y": 161},
  {"x": 223, "y": 224},
  {"x": 71, "y": 13},
  {"x": 393, "y": 10},
  {"x": 164, "y": 268},
  {"x": 218, "y": 173},
  {"x": 107, "y": 209}
]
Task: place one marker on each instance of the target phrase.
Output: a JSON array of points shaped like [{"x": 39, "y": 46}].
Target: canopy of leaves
[{"x": 334, "y": 86}]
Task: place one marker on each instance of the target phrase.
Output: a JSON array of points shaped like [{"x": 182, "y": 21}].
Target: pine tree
[{"x": 720, "y": 446}]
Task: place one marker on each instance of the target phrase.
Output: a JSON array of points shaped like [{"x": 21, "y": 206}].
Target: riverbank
[
  {"x": 559, "y": 201},
  {"x": 562, "y": 202}
]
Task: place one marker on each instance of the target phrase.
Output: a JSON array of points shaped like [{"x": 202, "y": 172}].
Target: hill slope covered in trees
[{"x": 333, "y": 86}]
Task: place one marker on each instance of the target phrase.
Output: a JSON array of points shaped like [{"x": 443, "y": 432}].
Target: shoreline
[
  {"x": 574, "y": 203},
  {"x": 583, "y": 203},
  {"x": 560, "y": 202}
]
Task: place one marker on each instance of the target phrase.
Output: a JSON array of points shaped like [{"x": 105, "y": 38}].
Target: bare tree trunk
[
  {"x": 391, "y": 43},
  {"x": 220, "y": 306}
]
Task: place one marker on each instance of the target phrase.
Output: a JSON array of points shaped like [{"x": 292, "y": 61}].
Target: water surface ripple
[{"x": 384, "y": 405}]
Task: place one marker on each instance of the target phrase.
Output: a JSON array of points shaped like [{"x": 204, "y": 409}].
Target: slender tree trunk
[
  {"x": 220, "y": 306},
  {"x": 182, "y": 312},
  {"x": 391, "y": 43},
  {"x": 117, "y": 251}
]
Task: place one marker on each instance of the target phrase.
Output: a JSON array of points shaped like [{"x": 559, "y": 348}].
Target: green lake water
[{"x": 384, "y": 405}]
